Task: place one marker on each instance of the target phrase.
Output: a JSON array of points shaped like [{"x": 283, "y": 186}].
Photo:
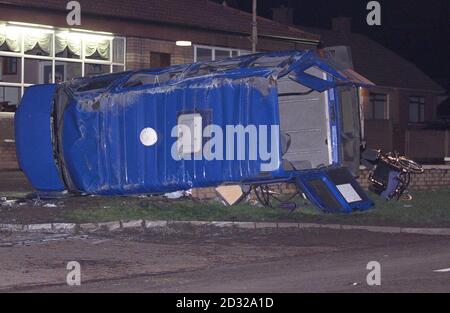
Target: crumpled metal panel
[
  {"x": 33, "y": 135},
  {"x": 98, "y": 147},
  {"x": 103, "y": 152}
]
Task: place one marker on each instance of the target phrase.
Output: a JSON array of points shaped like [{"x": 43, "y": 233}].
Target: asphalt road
[{"x": 219, "y": 260}]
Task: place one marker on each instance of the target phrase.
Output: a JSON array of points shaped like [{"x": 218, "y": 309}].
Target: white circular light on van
[{"x": 148, "y": 136}]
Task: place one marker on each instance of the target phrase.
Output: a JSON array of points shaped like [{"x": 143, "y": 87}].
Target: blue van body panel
[
  {"x": 33, "y": 133},
  {"x": 99, "y": 139},
  {"x": 104, "y": 155},
  {"x": 322, "y": 191}
]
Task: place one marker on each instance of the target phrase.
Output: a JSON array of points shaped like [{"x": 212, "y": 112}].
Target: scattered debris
[
  {"x": 443, "y": 270},
  {"x": 9, "y": 203},
  {"x": 45, "y": 239},
  {"x": 28, "y": 200},
  {"x": 49, "y": 205},
  {"x": 178, "y": 194},
  {"x": 231, "y": 194}
]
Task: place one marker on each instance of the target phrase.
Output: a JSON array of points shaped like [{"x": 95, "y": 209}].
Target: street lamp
[
  {"x": 254, "y": 27},
  {"x": 183, "y": 43}
]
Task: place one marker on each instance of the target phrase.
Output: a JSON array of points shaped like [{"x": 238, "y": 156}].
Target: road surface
[{"x": 225, "y": 260}]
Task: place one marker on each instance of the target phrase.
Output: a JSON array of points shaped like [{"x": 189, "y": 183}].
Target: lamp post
[{"x": 254, "y": 27}]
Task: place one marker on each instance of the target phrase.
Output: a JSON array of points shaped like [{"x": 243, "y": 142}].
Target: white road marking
[{"x": 443, "y": 270}]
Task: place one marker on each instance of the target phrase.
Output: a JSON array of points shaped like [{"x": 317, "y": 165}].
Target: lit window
[
  {"x": 38, "y": 42},
  {"x": 207, "y": 53},
  {"x": 53, "y": 55},
  {"x": 67, "y": 45},
  {"x": 97, "y": 47}
]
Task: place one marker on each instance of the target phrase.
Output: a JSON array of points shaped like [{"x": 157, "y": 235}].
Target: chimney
[
  {"x": 341, "y": 24},
  {"x": 283, "y": 15}
]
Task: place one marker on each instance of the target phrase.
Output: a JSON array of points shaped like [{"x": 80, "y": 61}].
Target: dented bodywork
[{"x": 86, "y": 135}]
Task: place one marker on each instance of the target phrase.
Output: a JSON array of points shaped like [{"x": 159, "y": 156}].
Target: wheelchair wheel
[
  {"x": 410, "y": 165},
  {"x": 404, "y": 180}
]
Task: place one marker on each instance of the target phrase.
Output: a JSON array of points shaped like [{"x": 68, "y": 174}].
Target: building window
[
  {"x": 158, "y": 59},
  {"x": 33, "y": 54},
  {"x": 416, "y": 109},
  {"x": 208, "y": 53},
  {"x": 9, "y": 66},
  {"x": 377, "y": 108},
  {"x": 9, "y": 98}
]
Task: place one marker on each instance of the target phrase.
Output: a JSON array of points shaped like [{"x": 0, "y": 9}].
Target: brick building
[
  {"x": 404, "y": 100},
  {"x": 37, "y": 45}
]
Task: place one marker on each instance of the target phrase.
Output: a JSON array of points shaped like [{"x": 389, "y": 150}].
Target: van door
[
  {"x": 304, "y": 118},
  {"x": 350, "y": 127}
]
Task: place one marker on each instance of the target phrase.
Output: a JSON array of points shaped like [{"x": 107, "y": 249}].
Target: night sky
[{"x": 417, "y": 30}]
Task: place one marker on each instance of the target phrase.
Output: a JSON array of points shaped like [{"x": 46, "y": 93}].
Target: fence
[
  {"x": 379, "y": 134},
  {"x": 430, "y": 146}
]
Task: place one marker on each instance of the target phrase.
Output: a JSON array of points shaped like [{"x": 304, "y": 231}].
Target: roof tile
[{"x": 199, "y": 13}]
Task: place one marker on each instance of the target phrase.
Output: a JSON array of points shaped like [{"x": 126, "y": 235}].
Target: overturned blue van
[{"x": 265, "y": 118}]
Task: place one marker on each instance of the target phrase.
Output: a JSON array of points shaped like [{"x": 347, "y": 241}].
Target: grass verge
[{"x": 427, "y": 209}]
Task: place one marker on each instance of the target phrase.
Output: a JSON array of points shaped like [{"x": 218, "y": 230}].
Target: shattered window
[
  {"x": 101, "y": 82},
  {"x": 227, "y": 65},
  {"x": 166, "y": 76},
  {"x": 269, "y": 61},
  {"x": 141, "y": 79},
  {"x": 203, "y": 69}
]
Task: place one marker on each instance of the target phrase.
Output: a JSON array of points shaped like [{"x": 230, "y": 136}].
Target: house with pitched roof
[
  {"x": 38, "y": 46},
  {"x": 404, "y": 101}
]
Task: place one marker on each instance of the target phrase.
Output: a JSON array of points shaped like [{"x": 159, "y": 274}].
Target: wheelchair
[{"x": 390, "y": 173}]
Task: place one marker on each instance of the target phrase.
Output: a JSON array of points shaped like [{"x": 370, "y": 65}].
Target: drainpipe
[{"x": 447, "y": 147}]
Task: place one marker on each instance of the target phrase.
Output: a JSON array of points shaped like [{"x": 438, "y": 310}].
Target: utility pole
[{"x": 254, "y": 27}]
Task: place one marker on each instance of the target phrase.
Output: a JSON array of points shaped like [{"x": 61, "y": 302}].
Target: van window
[
  {"x": 350, "y": 127},
  {"x": 166, "y": 76},
  {"x": 141, "y": 79},
  {"x": 96, "y": 83},
  {"x": 202, "y": 70},
  {"x": 270, "y": 61},
  {"x": 190, "y": 133}
]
